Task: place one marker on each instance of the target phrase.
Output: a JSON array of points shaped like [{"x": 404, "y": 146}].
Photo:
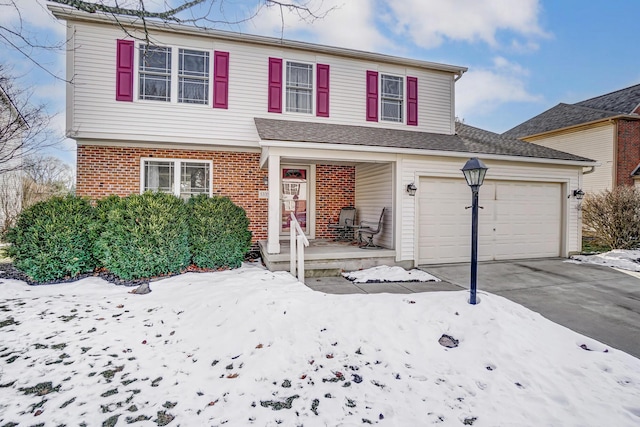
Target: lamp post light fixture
[{"x": 474, "y": 171}]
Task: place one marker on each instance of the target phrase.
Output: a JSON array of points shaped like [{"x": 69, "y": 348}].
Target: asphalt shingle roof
[
  {"x": 468, "y": 139},
  {"x": 620, "y": 102}
]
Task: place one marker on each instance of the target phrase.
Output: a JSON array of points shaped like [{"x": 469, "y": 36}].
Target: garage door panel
[{"x": 519, "y": 220}]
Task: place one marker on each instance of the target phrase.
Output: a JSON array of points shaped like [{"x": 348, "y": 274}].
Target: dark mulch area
[{"x": 8, "y": 271}]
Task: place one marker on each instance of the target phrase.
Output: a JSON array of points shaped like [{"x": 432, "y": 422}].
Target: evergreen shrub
[
  {"x": 52, "y": 239},
  {"x": 142, "y": 235},
  {"x": 219, "y": 235}
]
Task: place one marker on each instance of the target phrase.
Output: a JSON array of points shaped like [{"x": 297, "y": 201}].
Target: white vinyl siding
[
  {"x": 374, "y": 191},
  {"x": 595, "y": 143},
  {"x": 97, "y": 115}
]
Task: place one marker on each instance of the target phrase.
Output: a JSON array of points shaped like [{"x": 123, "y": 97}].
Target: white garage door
[{"x": 519, "y": 220}]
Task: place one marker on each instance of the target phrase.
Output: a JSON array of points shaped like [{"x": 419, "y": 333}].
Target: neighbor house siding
[
  {"x": 104, "y": 170},
  {"x": 97, "y": 115},
  {"x": 594, "y": 143},
  {"x": 414, "y": 167},
  {"x": 374, "y": 191}
]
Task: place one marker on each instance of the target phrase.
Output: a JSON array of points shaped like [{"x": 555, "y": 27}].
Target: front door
[{"x": 294, "y": 191}]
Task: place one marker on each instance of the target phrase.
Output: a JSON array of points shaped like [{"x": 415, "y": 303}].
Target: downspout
[
  {"x": 458, "y": 76},
  {"x": 614, "y": 178},
  {"x": 592, "y": 170}
]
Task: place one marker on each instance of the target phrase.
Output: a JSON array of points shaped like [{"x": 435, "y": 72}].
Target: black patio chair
[
  {"x": 345, "y": 225},
  {"x": 368, "y": 230}
]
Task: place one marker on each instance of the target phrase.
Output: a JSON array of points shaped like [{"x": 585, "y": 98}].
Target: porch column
[{"x": 273, "y": 230}]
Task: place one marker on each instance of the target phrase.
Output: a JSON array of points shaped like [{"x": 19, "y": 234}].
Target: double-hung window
[
  {"x": 155, "y": 73},
  {"x": 193, "y": 76},
  {"x": 184, "y": 178},
  {"x": 392, "y": 96},
  {"x": 159, "y": 69},
  {"x": 299, "y": 87}
]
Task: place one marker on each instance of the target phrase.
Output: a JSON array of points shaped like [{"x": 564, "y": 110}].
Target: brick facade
[
  {"x": 102, "y": 171},
  {"x": 335, "y": 189},
  {"x": 628, "y": 155}
]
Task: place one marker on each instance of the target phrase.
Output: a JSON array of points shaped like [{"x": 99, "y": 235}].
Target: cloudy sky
[{"x": 523, "y": 56}]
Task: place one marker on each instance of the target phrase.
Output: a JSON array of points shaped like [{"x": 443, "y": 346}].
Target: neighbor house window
[
  {"x": 193, "y": 76},
  {"x": 391, "y": 98},
  {"x": 184, "y": 178},
  {"x": 155, "y": 73},
  {"x": 299, "y": 87}
]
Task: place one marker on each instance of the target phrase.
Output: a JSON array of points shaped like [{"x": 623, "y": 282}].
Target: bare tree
[
  {"x": 24, "y": 127},
  {"x": 199, "y": 13},
  {"x": 44, "y": 177}
]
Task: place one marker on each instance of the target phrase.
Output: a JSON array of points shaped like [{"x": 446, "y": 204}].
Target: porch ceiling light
[
  {"x": 411, "y": 189},
  {"x": 578, "y": 194},
  {"x": 474, "y": 171}
]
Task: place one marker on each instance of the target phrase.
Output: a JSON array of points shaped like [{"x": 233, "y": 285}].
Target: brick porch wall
[
  {"x": 102, "y": 171},
  {"x": 335, "y": 189},
  {"x": 628, "y": 150}
]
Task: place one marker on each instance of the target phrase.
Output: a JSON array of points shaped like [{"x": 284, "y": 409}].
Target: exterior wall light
[
  {"x": 265, "y": 180},
  {"x": 578, "y": 194},
  {"x": 474, "y": 171},
  {"x": 411, "y": 189}
]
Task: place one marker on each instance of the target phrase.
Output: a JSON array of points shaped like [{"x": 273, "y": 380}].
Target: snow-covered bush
[
  {"x": 142, "y": 235},
  {"x": 52, "y": 239},
  {"x": 614, "y": 217},
  {"x": 219, "y": 233}
]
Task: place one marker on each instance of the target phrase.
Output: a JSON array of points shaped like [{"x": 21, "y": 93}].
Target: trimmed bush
[
  {"x": 219, "y": 233},
  {"x": 143, "y": 235},
  {"x": 52, "y": 239},
  {"x": 614, "y": 217}
]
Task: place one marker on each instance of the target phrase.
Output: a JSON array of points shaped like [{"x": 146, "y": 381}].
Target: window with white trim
[
  {"x": 155, "y": 73},
  {"x": 391, "y": 98},
  {"x": 299, "y": 87},
  {"x": 160, "y": 68},
  {"x": 193, "y": 76},
  {"x": 184, "y": 178}
]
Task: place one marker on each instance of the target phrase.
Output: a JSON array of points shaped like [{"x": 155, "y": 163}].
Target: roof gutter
[
  {"x": 71, "y": 14},
  {"x": 415, "y": 151}
]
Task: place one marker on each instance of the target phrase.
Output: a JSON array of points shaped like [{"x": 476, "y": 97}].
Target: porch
[{"x": 329, "y": 258}]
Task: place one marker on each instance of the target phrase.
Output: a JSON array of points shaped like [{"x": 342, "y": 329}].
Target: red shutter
[
  {"x": 275, "y": 85},
  {"x": 322, "y": 90},
  {"x": 220, "y": 79},
  {"x": 412, "y": 101},
  {"x": 124, "y": 70},
  {"x": 372, "y": 96}
]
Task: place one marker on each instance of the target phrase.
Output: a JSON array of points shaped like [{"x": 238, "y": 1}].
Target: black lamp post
[{"x": 474, "y": 171}]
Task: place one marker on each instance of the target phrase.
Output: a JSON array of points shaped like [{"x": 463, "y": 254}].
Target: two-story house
[
  {"x": 605, "y": 128},
  {"x": 282, "y": 126}
]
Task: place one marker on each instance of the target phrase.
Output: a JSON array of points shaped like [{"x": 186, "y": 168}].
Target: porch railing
[{"x": 298, "y": 242}]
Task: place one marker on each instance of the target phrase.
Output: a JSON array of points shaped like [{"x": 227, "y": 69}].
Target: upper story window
[
  {"x": 391, "y": 98},
  {"x": 299, "y": 87},
  {"x": 193, "y": 76},
  {"x": 155, "y": 73},
  {"x": 184, "y": 178},
  {"x": 159, "y": 70}
]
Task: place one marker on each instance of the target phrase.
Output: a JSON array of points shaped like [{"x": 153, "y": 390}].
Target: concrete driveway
[{"x": 596, "y": 301}]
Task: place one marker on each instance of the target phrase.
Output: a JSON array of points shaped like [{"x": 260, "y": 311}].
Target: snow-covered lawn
[{"x": 251, "y": 347}]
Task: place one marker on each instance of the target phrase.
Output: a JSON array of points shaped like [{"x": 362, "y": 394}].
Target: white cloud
[
  {"x": 30, "y": 15},
  {"x": 347, "y": 24},
  {"x": 483, "y": 90},
  {"x": 430, "y": 22}
]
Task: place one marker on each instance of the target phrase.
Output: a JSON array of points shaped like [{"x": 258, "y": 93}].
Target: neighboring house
[
  {"x": 282, "y": 126},
  {"x": 605, "y": 128},
  {"x": 12, "y": 124}
]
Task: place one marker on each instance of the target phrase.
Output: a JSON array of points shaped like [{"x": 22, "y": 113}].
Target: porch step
[{"x": 327, "y": 258}]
